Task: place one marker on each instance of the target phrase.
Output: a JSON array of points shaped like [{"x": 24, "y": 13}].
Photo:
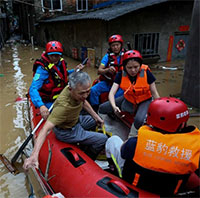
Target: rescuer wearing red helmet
[
  {"x": 110, "y": 65},
  {"x": 139, "y": 87},
  {"x": 54, "y": 47},
  {"x": 168, "y": 114},
  {"x": 49, "y": 77},
  {"x": 165, "y": 153}
]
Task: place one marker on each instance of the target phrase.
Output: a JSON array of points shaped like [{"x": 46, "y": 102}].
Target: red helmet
[
  {"x": 54, "y": 47},
  {"x": 167, "y": 113},
  {"x": 115, "y": 38},
  {"x": 132, "y": 54}
]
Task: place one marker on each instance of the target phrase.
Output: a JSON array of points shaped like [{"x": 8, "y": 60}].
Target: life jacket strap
[
  {"x": 178, "y": 186},
  {"x": 136, "y": 179},
  {"x": 117, "y": 165}
]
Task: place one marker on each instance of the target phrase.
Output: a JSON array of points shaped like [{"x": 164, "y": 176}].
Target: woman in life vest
[
  {"x": 110, "y": 65},
  {"x": 139, "y": 87},
  {"x": 166, "y": 152},
  {"x": 49, "y": 77}
]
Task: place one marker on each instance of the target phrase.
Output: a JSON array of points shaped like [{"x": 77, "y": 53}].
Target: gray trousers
[
  {"x": 80, "y": 134},
  {"x": 125, "y": 105}
]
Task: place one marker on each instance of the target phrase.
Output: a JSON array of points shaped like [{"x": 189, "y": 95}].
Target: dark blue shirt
[{"x": 128, "y": 148}]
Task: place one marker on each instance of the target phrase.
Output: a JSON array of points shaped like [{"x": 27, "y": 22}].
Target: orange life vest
[
  {"x": 112, "y": 61},
  {"x": 57, "y": 79},
  {"x": 138, "y": 91},
  {"x": 176, "y": 153}
]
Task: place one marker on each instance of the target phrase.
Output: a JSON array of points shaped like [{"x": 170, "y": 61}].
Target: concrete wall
[
  {"x": 74, "y": 34},
  {"x": 164, "y": 19}
]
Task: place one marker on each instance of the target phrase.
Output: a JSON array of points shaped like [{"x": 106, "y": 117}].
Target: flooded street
[
  {"x": 16, "y": 61},
  {"x": 13, "y": 118}
]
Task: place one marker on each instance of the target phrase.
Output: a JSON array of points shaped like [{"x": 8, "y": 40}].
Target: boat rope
[
  {"x": 31, "y": 195},
  {"x": 48, "y": 162}
]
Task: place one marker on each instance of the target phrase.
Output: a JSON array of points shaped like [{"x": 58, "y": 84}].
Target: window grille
[
  {"x": 81, "y": 5},
  {"x": 53, "y": 5},
  {"x": 147, "y": 43}
]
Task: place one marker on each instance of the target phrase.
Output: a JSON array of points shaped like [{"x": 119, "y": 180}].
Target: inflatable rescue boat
[{"x": 66, "y": 169}]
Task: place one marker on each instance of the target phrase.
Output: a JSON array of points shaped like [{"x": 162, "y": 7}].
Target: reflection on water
[
  {"x": 13, "y": 84},
  {"x": 21, "y": 88},
  {"x": 16, "y": 63},
  {"x": 13, "y": 186}
]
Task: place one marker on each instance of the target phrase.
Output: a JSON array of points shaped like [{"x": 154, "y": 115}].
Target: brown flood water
[{"x": 16, "y": 62}]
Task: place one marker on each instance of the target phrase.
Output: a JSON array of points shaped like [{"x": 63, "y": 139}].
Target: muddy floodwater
[{"x": 16, "y": 61}]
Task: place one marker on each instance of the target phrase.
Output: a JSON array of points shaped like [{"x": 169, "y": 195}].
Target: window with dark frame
[
  {"x": 147, "y": 43},
  {"x": 52, "y": 4}
]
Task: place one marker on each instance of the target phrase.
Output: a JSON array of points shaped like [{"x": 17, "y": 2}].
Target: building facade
[{"x": 159, "y": 29}]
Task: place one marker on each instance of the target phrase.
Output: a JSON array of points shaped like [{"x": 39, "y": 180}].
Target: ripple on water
[{"x": 12, "y": 185}]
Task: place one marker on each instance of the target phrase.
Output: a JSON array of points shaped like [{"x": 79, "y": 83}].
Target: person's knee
[
  {"x": 127, "y": 107},
  {"x": 111, "y": 140},
  {"x": 113, "y": 143},
  {"x": 102, "y": 108},
  {"x": 102, "y": 139},
  {"x": 87, "y": 122},
  {"x": 105, "y": 108},
  {"x": 133, "y": 131},
  {"x": 100, "y": 144},
  {"x": 138, "y": 122}
]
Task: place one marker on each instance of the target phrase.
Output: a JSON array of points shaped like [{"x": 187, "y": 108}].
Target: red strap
[
  {"x": 178, "y": 186},
  {"x": 136, "y": 179}
]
